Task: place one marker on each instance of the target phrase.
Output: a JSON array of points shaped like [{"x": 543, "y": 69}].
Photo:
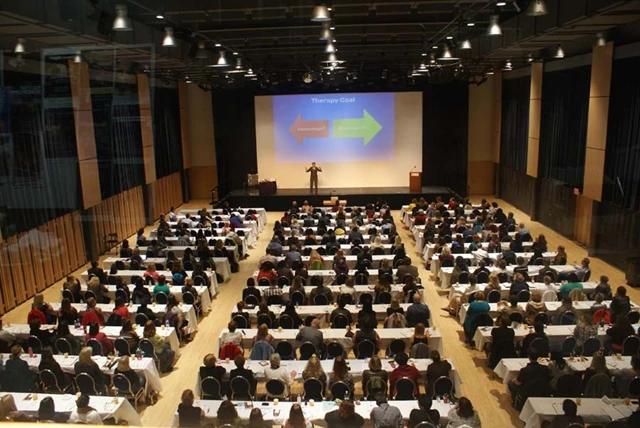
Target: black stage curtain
[
  {"x": 517, "y": 188},
  {"x": 515, "y": 123},
  {"x": 39, "y": 177},
  {"x": 445, "y": 111},
  {"x": 235, "y": 133},
  {"x": 166, "y": 135},
  {"x": 116, "y": 120},
  {"x": 622, "y": 164},
  {"x": 563, "y": 125}
]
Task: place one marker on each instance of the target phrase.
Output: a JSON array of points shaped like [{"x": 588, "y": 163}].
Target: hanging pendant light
[
  {"x": 20, "y": 46},
  {"x": 466, "y": 44},
  {"x": 320, "y": 14},
  {"x": 325, "y": 33},
  {"x": 169, "y": 41},
  {"x": 494, "y": 26},
  {"x": 222, "y": 60},
  {"x": 330, "y": 48},
  {"x": 202, "y": 52},
  {"x": 447, "y": 55},
  {"x": 122, "y": 21},
  {"x": 77, "y": 58},
  {"x": 537, "y": 8},
  {"x": 559, "y": 52},
  {"x": 600, "y": 39}
]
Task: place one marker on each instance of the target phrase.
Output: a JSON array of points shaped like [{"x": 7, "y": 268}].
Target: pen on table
[{"x": 244, "y": 332}]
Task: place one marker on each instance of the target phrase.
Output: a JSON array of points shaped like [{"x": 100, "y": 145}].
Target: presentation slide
[
  {"x": 359, "y": 140},
  {"x": 333, "y": 128}
]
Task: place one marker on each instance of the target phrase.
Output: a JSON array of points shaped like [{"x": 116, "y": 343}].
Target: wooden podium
[{"x": 415, "y": 182}]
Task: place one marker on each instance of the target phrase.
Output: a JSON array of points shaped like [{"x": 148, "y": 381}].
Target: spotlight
[
  {"x": 20, "y": 46},
  {"x": 447, "y": 55},
  {"x": 169, "y": 41},
  {"x": 559, "y": 52},
  {"x": 325, "y": 33},
  {"x": 600, "y": 39},
  {"x": 330, "y": 48},
  {"x": 494, "y": 26},
  {"x": 77, "y": 58},
  {"x": 537, "y": 8},
  {"x": 122, "y": 21},
  {"x": 466, "y": 44},
  {"x": 320, "y": 14}
]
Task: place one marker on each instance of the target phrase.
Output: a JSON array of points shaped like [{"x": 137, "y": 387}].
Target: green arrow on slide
[{"x": 366, "y": 127}]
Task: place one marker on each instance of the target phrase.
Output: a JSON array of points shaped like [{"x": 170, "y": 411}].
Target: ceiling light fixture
[
  {"x": 449, "y": 37},
  {"x": 529, "y": 58},
  {"x": 490, "y": 71},
  {"x": 202, "y": 52},
  {"x": 222, "y": 61},
  {"x": 168, "y": 41},
  {"x": 330, "y": 48},
  {"x": 494, "y": 26},
  {"x": 600, "y": 39},
  {"x": 325, "y": 33},
  {"x": 447, "y": 55},
  {"x": 320, "y": 14},
  {"x": 217, "y": 45},
  {"x": 559, "y": 52},
  {"x": 77, "y": 58},
  {"x": 466, "y": 44},
  {"x": 537, "y": 8},
  {"x": 508, "y": 66},
  {"x": 20, "y": 46},
  {"x": 501, "y": 3},
  {"x": 471, "y": 24},
  {"x": 159, "y": 16},
  {"x": 122, "y": 21}
]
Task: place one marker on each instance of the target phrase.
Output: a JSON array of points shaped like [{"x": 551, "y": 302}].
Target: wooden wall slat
[
  {"x": 8, "y": 296},
  {"x": 45, "y": 255},
  {"x": 15, "y": 263},
  {"x": 37, "y": 266},
  {"x": 56, "y": 250},
  {"x": 64, "y": 250},
  {"x": 79, "y": 240},
  {"x": 71, "y": 245},
  {"x": 27, "y": 272}
]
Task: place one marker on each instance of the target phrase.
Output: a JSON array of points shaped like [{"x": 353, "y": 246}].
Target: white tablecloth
[
  {"x": 316, "y": 310},
  {"x": 249, "y": 232},
  {"x": 179, "y": 250},
  {"x": 187, "y": 310},
  {"x": 128, "y": 274},
  {"x": 509, "y": 368},
  {"x": 107, "y": 407},
  {"x": 329, "y": 275},
  {"x": 476, "y": 256},
  {"x": 445, "y": 273},
  {"x": 366, "y": 237},
  {"x": 351, "y": 261},
  {"x": 223, "y": 267},
  {"x": 356, "y": 368},
  {"x": 387, "y": 335},
  {"x": 594, "y": 411},
  {"x": 588, "y": 288},
  {"x": 360, "y": 289},
  {"x": 555, "y": 333},
  {"x": 21, "y": 331},
  {"x": 346, "y": 248},
  {"x": 278, "y": 414},
  {"x": 261, "y": 214},
  {"x": 145, "y": 367},
  {"x": 251, "y": 225}
]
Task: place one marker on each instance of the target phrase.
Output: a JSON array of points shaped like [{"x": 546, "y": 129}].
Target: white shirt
[
  {"x": 91, "y": 418},
  {"x": 280, "y": 373}
]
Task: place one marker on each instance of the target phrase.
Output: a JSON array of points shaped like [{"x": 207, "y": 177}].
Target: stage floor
[{"x": 394, "y": 196}]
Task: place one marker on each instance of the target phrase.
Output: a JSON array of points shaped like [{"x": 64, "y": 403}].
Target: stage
[{"x": 281, "y": 200}]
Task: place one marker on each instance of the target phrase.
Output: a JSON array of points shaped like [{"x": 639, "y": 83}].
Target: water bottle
[
  {"x": 30, "y": 352},
  {"x": 299, "y": 399},
  {"x": 346, "y": 395},
  {"x": 601, "y": 322},
  {"x": 224, "y": 397},
  {"x": 166, "y": 324}
]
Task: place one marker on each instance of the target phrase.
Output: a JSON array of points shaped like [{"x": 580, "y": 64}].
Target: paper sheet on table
[
  {"x": 613, "y": 412},
  {"x": 548, "y": 409},
  {"x": 557, "y": 409},
  {"x": 624, "y": 410}
]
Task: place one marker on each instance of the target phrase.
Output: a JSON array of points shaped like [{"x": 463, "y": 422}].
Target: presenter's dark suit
[{"x": 313, "y": 179}]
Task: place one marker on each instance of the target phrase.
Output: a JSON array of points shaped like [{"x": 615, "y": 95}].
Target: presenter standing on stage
[{"x": 313, "y": 178}]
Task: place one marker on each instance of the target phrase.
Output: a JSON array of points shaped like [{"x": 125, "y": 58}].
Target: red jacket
[
  {"x": 230, "y": 351},
  {"x": 404, "y": 371},
  {"x": 36, "y": 314},
  {"x": 89, "y": 317}
]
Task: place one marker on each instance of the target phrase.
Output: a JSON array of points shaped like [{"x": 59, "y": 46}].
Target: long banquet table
[
  {"x": 594, "y": 411},
  {"x": 445, "y": 273},
  {"x": 223, "y": 267}
]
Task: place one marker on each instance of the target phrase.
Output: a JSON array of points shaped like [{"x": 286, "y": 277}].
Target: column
[
  {"x": 598, "y": 118},
  {"x": 85, "y": 137},
  {"x": 480, "y": 163},
  {"x": 535, "y": 107},
  {"x": 146, "y": 127}
]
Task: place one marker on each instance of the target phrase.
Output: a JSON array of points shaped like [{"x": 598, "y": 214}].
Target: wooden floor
[{"x": 486, "y": 394}]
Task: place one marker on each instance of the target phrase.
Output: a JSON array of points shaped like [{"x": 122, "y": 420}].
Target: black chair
[
  {"x": 210, "y": 387},
  {"x": 396, "y": 346},
  {"x": 339, "y": 390},
  {"x": 631, "y": 345},
  {"x": 264, "y": 282},
  {"x": 240, "y": 388},
  {"x": 425, "y": 425},
  {"x": 285, "y": 321},
  {"x": 86, "y": 384},
  {"x": 123, "y": 389},
  {"x": 275, "y": 389},
  {"x": 568, "y": 346},
  {"x": 66, "y": 294},
  {"x": 89, "y": 294},
  {"x": 523, "y": 296},
  {"x": 374, "y": 387},
  {"x": 50, "y": 383},
  {"x": 365, "y": 349},
  {"x": 404, "y": 389},
  {"x": 568, "y": 318},
  {"x": 122, "y": 294},
  {"x": 442, "y": 386},
  {"x": 535, "y": 388},
  {"x": 189, "y": 299},
  {"x": 241, "y": 321},
  {"x": 407, "y": 277},
  {"x": 334, "y": 349},
  {"x": 308, "y": 320},
  {"x": 586, "y": 276},
  {"x": 320, "y": 299},
  {"x": 307, "y": 349},
  {"x": 148, "y": 350},
  {"x": 463, "y": 278},
  {"x": 568, "y": 385},
  {"x": 35, "y": 344},
  {"x": 161, "y": 298},
  {"x": 251, "y": 300},
  {"x": 365, "y": 298},
  {"x": 361, "y": 279},
  {"x": 340, "y": 321},
  {"x": 591, "y": 346},
  {"x": 283, "y": 280},
  {"x": 122, "y": 346},
  {"x": 313, "y": 389},
  {"x": 341, "y": 279},
  {"x": 285, "y": 349},
  {"x": 264, "y": 319},
  {"x": 345, "y": 298},
  {"x": 542, "y": 317},
  {"x": 494, "y": 296},
  {"x": 503, "y": 277},
  {"x": 141, "y": 319},
  {"x": 96, "y": 346},
  {"x": 384, "y": 298},
  {"x": 297, "y": 297},
  {"x": 634, "y": 317},
  {"x": 633, "y": 389},
  {"x": 541, "y": 344},
  {"x": 482, "y": 277},
  {"x": 62, "y": 346},
  {"x": 447, "y": 263},
  {"x": 515, "y": 317}
]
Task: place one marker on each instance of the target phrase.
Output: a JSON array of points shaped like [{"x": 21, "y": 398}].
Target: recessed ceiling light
[
  {"x": 501, "y": 3},
  {"x": 218, "y": 45},
  {"x": 449, "y": 37},
  {"x": 435, "y": 47},
  {"x": 424, "y": 54},
  {"x": 160, "y": 16},
  {"x": 471, "y": 24},
  {"x": 332, "y": 28},
  {"x": 235, "y": 53}
]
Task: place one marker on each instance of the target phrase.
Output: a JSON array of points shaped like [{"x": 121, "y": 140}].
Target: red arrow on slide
[{"x": 302, "y": 129}]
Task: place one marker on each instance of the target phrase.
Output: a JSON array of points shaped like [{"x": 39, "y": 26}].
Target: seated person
[
  {"x": 403, "y": 370},
  {"x": 570, "y": 416},
  {"x": 538, "y": 332},
  {"x": 210, "y": 369},
  {"x": 533, "y": 370},
  {"x": 241, "y": 371}
]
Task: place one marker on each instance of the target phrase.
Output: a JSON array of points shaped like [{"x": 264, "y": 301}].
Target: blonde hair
[
  {"x": 314, "y": 255},
  {"x": 375, "y": 364},
  {"x": 123, "y": 364},
  {"x": 446, "y": 251},
  {"x": 397, "y": 241},
  {"x": 151, "y": 267},
  {"x": 419, "y": 330},
  {"x": 494, "y": 281},
  {"x": 518, "y": 277},
  {"x": 313, "y": 368},
  {"x": 395, "y": 303},
  {"x": 7, "y": 406},
  {"x": 93, "y": 282},
  {"x": 85, "y": 355}
]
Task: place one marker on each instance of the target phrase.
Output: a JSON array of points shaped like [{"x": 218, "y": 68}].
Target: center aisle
[
  {"x": 488, "y": 396},
  {"x": 206, "y": 340}
]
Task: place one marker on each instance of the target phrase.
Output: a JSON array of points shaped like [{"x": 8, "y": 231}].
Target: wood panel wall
[
  {"x": 34, "y": 260},
  {"x": 122, "y": 214},
  {"x": 164, "y": 194}
]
